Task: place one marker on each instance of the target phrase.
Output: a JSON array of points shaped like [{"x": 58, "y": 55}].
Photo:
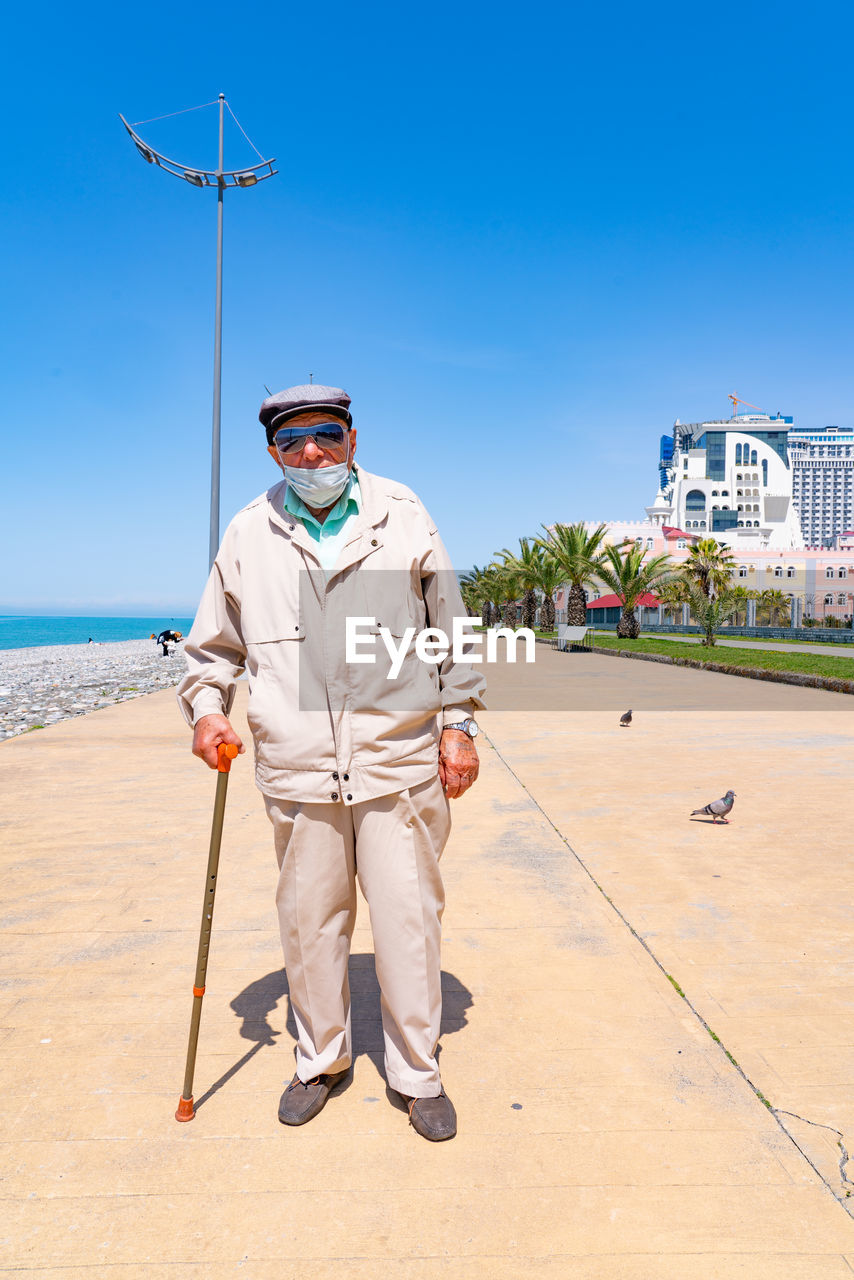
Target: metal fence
[
  {"x": 784, "y": 612},
  {"x": 831, "y": 635},
  {"x": 823, "y": 614}
]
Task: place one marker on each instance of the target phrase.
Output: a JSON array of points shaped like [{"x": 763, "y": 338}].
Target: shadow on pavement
[{"x": 255, "y": 1003}]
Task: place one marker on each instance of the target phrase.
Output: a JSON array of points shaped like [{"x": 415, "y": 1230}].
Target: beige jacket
[{"x": 325, "y": 728}]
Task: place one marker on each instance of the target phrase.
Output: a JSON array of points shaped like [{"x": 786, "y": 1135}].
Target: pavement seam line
[{"x": 840, "y": 1200}]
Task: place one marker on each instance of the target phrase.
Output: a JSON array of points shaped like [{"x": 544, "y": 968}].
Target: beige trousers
[{"x": 393, "y": 845}]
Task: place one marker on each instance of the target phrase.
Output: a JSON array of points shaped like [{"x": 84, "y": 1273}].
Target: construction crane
[{"x": 736, "y": 401}]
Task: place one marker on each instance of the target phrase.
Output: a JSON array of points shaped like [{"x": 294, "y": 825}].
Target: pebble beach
[{"x": 40, "y": 686}]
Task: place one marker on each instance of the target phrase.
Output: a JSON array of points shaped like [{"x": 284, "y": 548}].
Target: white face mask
[{"x": 319, "y": 486}]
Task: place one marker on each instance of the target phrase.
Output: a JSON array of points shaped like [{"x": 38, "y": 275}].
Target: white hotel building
[
  {"x": 782, "y": 499},
  {"x": 730, "y": 479},
  {"x": 757, "y": 482},
  {"x": 822, "y": 461}
]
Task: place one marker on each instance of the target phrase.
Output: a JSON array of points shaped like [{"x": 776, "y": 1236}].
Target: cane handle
[{"x": 225, "y": 753}]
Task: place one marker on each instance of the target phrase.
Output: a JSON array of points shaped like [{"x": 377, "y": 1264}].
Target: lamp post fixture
[{"x": 219, "y": 178}]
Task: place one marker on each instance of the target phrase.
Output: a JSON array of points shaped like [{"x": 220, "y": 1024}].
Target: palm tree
[
  {"x": 709, "y": 565},
  {"x": 627, "y": 572},
  {"x": 673, "y": 595},
  {"x": 772, "y": 609},
  {"x": 536, "y": 572},
  {"x": 470, "y": 590},
  {"x": 490, "y": 591},
  {"x": 478, "y": 589},
  {"x": 550, "y": 578},
  {"x": 577, "y": 554},
  {"x": 526, "y": 568},
  {"x": 740, "y": 596},
  {"x": 497, "y": 593},
  {"x": 506, "y": 590},
  {"x": 710, "y": 612}
]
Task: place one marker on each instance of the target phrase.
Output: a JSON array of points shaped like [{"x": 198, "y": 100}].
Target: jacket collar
[
  {"x": 374, "y": 500},
  {"x": 362, "y": 540}
]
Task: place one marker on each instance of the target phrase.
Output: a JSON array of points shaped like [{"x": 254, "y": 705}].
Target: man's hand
[
  {"x": 458, "y": 762},
  {"x": 208, "y": 733}
]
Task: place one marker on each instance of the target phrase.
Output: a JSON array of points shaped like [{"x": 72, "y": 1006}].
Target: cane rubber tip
[{"x": 186, "y": 1110}]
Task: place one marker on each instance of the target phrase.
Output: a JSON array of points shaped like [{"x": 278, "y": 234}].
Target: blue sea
[{"x": 18, "y": 632}]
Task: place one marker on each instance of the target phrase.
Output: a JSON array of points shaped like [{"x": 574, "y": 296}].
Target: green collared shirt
[{"x": 333, "y": 533}]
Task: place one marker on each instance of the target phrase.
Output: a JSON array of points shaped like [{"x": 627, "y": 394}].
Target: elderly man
[{"x": 358, "y": 747}]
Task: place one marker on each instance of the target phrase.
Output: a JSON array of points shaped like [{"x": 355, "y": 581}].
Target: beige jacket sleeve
[
  {"x": 215, "y": 654},
  {"x": 463, "y": 686}
]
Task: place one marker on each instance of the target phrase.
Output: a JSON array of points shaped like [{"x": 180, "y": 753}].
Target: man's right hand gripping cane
[{"x": 208, "y": 733}]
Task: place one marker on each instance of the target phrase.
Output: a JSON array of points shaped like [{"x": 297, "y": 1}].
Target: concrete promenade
[{"x": 612, "y": 1126}]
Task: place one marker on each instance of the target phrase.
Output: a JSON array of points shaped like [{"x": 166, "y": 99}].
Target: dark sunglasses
[{"x": 330, "y": 436}]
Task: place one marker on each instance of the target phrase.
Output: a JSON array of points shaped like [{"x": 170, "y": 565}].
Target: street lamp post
[{"x": 220, "y": 179}]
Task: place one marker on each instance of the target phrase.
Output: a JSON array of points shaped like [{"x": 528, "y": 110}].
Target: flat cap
[{"x": 286, "y": 404}]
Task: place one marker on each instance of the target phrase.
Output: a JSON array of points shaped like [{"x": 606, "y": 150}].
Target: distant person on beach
[
  {"x": 356, "y": 761},
  {"x": 164, "y": 640}
]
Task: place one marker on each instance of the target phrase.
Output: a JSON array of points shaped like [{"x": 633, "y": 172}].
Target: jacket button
[
  {"x": 345, "y": 776},
  {"x": 291, "y": 527},
  {"x": 296, "y": 628},
  {"x": 349, "y": 797},
  {"x": 335, "y": 777},
  {"x": 334, "y": 795},
  {"x": 374, "y": 542}
]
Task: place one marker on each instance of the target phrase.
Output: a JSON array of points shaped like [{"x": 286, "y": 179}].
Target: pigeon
[
  {"x": 626, "y": 719},
  {"x": 718, "y": 808}
]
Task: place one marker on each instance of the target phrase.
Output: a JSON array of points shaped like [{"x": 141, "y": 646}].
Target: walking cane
[{"x": 226, "y": 752}]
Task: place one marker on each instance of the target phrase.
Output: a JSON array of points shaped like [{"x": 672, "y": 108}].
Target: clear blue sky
[{"x": 525, "y": 239}]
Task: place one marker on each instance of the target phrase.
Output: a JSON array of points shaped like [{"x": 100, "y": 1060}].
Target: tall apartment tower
[
  {"x": 822, "y": 460},
  {"x": 730, "y": 479}
]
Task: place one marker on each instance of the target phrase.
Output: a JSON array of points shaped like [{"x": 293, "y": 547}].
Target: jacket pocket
[
  {"x": 290, "y": 728},
  {"x": 275, "y": 668},
  {"x": 262, "y": 644}
]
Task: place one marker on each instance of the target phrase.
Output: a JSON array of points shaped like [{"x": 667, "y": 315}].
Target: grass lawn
[
  {"x": 722, "y": 635},
  {"x": 770, "y": 660}
]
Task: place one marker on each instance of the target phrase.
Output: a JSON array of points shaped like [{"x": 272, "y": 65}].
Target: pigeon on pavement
[
  {"x": 626, "y": 719},
  {"x": 718, "y": 808}
]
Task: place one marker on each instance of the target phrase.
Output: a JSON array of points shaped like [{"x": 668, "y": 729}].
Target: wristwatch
[{"x": 471, "y": 727}]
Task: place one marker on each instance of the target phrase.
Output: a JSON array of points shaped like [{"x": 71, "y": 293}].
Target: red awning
[{"x": 646, "y": 601}]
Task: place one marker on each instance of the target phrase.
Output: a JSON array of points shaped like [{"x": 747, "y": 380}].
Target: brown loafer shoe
[
  {"x": 302, "y": 1102},
  {"x": 434, "y": 1118}
]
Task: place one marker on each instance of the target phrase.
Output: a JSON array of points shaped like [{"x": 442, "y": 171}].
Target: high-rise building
[
  {"x": 822, "y": 464},
  {"x": 729, "y": 478}
]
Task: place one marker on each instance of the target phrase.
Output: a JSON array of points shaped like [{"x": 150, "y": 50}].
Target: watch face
[{"x": 473, "y": 728}]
